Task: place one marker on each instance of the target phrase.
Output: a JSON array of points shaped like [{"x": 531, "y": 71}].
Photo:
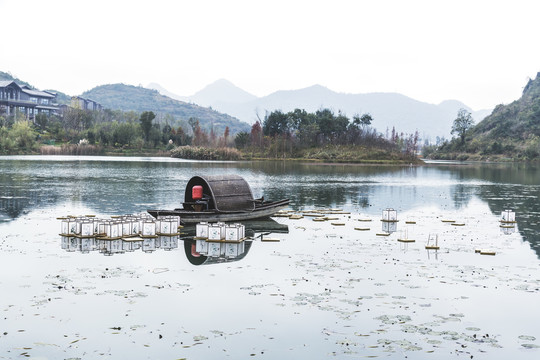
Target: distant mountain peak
[
  {"x": 221, "y": 91},
  {"x": 163, "y": 91}
]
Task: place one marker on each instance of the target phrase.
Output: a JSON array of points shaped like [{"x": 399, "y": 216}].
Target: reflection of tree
[
  {"x": 461, "y": 195},
  {"x": 17, "y": 197},
  {"x": 508, "y": 186},
  {"x": 524, "y": 201}
]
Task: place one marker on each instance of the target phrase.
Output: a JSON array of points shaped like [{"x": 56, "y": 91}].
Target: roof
[
  {"x": 37, "y": 93},
  {"x": 4, "y": 83},
  {"x": 26, "y": 89},
  {"x": 226, "y": 192}
]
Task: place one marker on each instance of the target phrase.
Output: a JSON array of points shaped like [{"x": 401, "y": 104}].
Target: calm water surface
[{"x": 323, "y": 291}]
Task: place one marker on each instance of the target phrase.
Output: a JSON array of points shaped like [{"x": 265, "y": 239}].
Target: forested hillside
[
  {"x": 139, "y": 99},
  {"x": 511, "y": 132}
]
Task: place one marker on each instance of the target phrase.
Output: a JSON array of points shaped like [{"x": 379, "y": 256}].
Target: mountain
[
  {"x": 387, "y": 109},
  {"x": 136, "y": 98},
  {"x": 517, "y": 121},
  {"x": 511, "y": 131},
  {"x": 163, "y": 91},
  {"x": 221, "y": 92}
]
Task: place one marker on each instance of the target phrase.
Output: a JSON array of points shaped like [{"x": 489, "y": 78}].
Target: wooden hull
[{"x": 194, "y": 217}]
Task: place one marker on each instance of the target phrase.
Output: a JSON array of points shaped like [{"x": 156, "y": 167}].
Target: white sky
[{"x": 479, "y": 52}]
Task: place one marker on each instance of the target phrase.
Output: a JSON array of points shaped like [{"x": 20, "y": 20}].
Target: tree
[
  {"x": 364, "y": 120},
  {"x": 276, "y": 123},
  {"x": 226, "y": 134},
  {"x": 255, "y": 136},
  {"x": 462, "y": 124},
  {"x": 146, "y": 123},
  {"x": 41, "y": 120},
  {"x": 241, "y": 140}
]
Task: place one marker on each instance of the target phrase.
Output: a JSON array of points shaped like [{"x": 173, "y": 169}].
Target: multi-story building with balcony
[{"x": 22, "y": 99}]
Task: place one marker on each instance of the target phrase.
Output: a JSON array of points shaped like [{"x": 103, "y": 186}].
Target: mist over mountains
[{"x": 387, "y": 109}]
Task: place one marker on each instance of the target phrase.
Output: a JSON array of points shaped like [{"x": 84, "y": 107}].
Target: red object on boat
[{"x": 196, "y": 192}]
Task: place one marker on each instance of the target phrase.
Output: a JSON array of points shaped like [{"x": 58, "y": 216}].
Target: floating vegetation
[{"x": 401, "y": 298}]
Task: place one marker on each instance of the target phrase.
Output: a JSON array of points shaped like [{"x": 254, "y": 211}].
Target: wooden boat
[{"x": 225, "y": 198}]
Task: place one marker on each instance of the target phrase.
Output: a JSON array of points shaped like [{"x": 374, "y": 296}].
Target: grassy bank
[
  {"x": 93, "y": 150},
  {"x": 328, "y": 154}
]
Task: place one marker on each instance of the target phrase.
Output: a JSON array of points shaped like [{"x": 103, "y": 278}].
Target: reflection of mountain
[{"x": 116, "y": 186}]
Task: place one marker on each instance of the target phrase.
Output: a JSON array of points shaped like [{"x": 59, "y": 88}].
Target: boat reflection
[
  {"x": 197, "y": 251},
  {"x": 203, "y": 252}
]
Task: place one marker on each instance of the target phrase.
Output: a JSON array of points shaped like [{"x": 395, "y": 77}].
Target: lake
[{"x": 347, "y": 287}]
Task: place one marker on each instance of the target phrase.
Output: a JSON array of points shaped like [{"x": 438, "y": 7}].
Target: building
[
  {"x": 22, "y": 99},
  {"x": 78, "y": 102}
]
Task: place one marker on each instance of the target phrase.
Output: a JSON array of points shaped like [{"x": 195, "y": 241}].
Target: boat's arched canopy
[{"x": 224, "y": 192}]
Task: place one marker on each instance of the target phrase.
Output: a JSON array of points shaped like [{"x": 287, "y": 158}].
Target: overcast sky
[{"x": 479, "y": 52}]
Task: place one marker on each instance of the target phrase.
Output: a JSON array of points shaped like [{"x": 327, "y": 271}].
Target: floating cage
[
  {"x": 119, "y": 234},
  {"x": 112, "y": 229},
  {"x": 69, "y": 226},
  {"x": 201, "y": 230},
  {"x": 167, "y": 225},
  {"x": 508, "y": 217},
  {"x": 86, "y": 228},
  {"x": 234, "y": 232},
  {"x": 216, "y": 232},
  {"x": 389, "y": 215},
  {"x": 148, "y": 228},
  {"x": 127, "y": 226}
]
